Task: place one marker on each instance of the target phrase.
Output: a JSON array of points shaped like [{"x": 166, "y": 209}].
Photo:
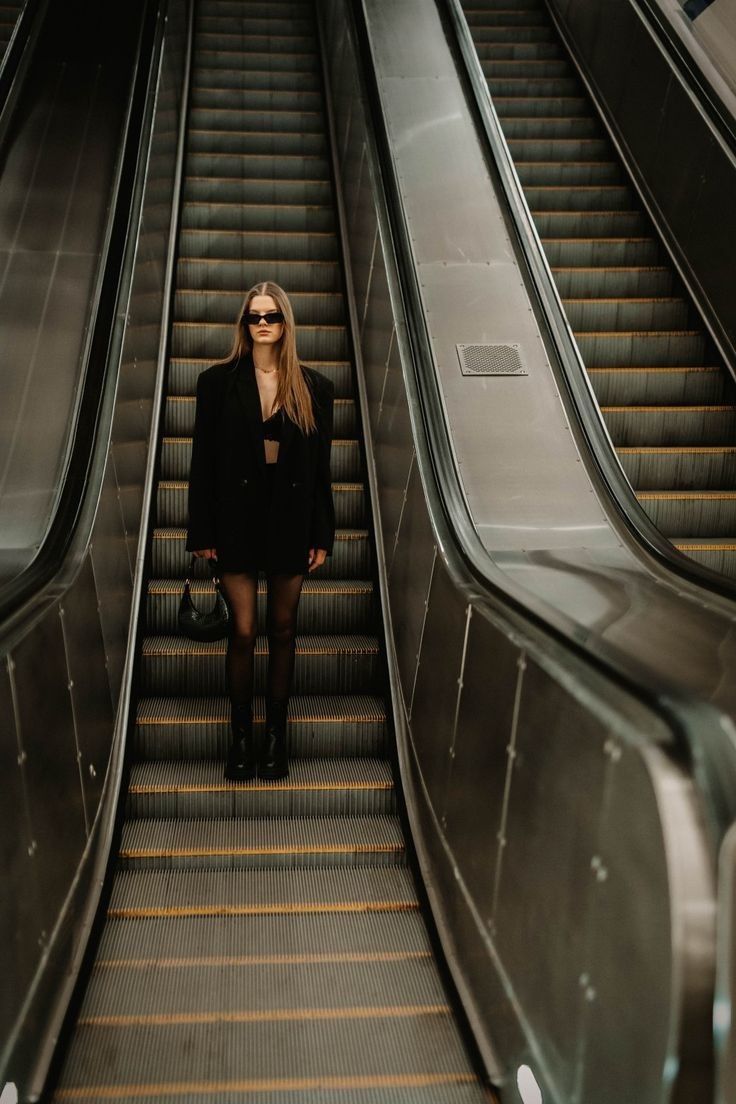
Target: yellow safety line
[
  {"x": 675, "y": 450},
  {"x": 221, "y": 787},
  {"x": 637, "y": 333},
  {"x": 257, "y": 960},
  {"x": 276, "y": 1015},
  {"x": 256, "y": 180},
  {"x": 291, "y": 1084},
  {"x": 656, "y": 368},
  {"x": 223, "y": 718},
  {"x": 714, "y": 409},
  {"x": 306, "y": 908},
  {"x": 274, "y": 233},
  {"x": 250, "y": 260},
  {"x": 624, "y": 299},
  {"x": 688, "y": 496},
  {"x": 209, "y": 852},
  {"x": 706, "y": 547}
]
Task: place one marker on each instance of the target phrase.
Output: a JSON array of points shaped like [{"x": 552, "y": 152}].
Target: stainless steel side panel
[{"x": 561, "y": 836}]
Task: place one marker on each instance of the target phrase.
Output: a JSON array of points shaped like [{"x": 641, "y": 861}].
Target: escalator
[
  {"x": 9, "y": 13},
  {"x": 263, "y": 940},
  {"x": 668, "y": 401}
]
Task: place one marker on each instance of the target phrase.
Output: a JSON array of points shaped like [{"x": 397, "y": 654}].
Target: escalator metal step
[
  {"x": 258, "y": 216},
  {"x": 708, "y": 513},
  {"x": 687, "y": 467},
  {"x": 311, "y": 308},
  {"x": 238, "y": 274},
  {"x": 179, "y": 411},
  {"x": 345, "y": 458},
  {"x": 328, "y": 664},
  {"x": 183, "y": 372},
  {"x": 206, "y": 339},
  {"x": 326, "y": 605},
  {"x": 314, "y": 787},
  {"x": 236, "y": 843},
  {"x": 686, "y": 384},
  {"x": 193, "y": 728},
  {"x": 629, "y": 282},
  {"x": 349, "y": 499},
  {"x": 670, "y": 425}
]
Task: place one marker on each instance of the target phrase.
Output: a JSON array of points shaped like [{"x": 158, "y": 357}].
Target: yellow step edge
[
  {"x": 255, "y": 180},
  {"x": 268, "y": 206},
  {"x": 687, "y": 496},
  {"x": 260, "y": 233},
  {"x": 302, "y": 908},
  {"x": 294, "y": 718},
  {"x": 714, "y": 409},
  {"x": 676, "y": 450},
  {"x": 254, "y": 133},
  {"x": 253, "y": 260},
  {"x": 638, "y": 333},
  {"x": 625, "y": 238},
  {"x": 259, "y": 960},
  {"x": 251, "y": 786},
  {"x": 656, "y": 368},
  {"x": 625, "y": 299},
  {"x": 276, "y": 1015},
  {"x": 684, "y": 547},
  {"x": 232, "y": 852},
  {"x": 268, "y": 1085}
]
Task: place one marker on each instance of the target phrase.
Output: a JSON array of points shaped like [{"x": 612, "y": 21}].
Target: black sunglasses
[{"x": 252, "y": 318}]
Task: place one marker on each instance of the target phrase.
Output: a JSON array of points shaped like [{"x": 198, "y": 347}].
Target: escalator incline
[{"x": 263, "y": 940}]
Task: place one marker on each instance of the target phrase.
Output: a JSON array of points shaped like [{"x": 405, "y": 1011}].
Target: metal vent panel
[{"x": 490, "y": 360}]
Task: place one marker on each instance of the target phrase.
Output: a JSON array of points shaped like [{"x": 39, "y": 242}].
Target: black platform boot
[
  {"x": 241, "y": 756},
  {"x": 273, "y": 761}
]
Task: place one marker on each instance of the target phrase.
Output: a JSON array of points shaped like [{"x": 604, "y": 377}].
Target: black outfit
[{"x": 259, "y": 515}]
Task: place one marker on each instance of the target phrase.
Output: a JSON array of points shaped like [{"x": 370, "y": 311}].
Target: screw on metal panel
[
  {"x": 92, "y": 771},
  {"x": 21, "y": 758},
  {"x": 590, "y": 993},
  {"x": 511, "y": 752},
  {"x": 501, "y": 839},
  {"x": 583, "y": 980},
  {"x": 70, "y": 684},
  {"x": 521, "y": 663},
  {"x": 32, "y": 848}
]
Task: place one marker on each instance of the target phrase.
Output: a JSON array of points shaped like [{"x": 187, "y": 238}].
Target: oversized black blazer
[{"x": 227, "y": 482}]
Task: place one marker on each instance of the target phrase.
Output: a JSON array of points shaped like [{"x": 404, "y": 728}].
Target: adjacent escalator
[
  {"x": 668, "y": 401},
  {"x": 9, "y": 13},
  {"x": 264, "y": 940}
]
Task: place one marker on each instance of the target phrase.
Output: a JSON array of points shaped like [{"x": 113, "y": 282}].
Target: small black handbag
[{"x": 204, "y": 627}]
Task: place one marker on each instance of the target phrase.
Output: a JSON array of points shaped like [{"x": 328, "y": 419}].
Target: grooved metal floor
[
  {"x": 264, "y": 939},
  {"x": 669, "y": 404}
]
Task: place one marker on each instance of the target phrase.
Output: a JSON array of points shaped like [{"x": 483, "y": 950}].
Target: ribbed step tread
[
  {"x": 309, "y": 586},
  {"x": 308, "y": 644},
  {"x": 311, "y": 708}
]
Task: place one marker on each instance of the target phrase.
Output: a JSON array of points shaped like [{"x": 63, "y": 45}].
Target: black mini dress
[{"x": 272, "y": 428}]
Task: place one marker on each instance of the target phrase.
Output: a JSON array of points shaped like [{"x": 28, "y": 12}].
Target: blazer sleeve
[
  {"x": 322, "y": 530},
  {"x": 202, "y": 484}
]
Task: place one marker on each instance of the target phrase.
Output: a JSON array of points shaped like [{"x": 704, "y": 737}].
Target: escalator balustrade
[{"x": 668, "y": 402}]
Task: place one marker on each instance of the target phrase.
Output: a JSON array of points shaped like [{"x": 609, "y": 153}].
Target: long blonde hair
[{"x": 292, "y": 391}]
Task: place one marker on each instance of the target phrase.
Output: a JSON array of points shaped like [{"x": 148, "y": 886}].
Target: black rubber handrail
[
  {"x": 711, "y": 760},
  {"x": 564, "y": 353},
  {"x": 70, "y": 526},
  {"x": 19, "y": 49}
]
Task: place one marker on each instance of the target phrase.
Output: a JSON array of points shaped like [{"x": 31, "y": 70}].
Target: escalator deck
[
  {"x": 668, "y": 402},
  {"x": 264, "y": 940}
]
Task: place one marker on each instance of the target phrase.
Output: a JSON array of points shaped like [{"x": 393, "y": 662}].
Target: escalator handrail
[
  {"x": 712, "y": 762},
  {"x": 18, "y": 52},
  {"x": 70, "y": 527},
  {"x": 571, "y": 371}
]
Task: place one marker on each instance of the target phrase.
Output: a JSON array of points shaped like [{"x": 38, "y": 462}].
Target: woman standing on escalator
[{"x": 260, "y": 498}]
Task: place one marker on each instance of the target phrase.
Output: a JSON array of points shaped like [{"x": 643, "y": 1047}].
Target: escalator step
[
  {"x": 183, "y": 372},
  {"x": 611, "y": 252},
  {"x": 257, "y": 245},
  {"x": 325, "y": 605},
  {"x": 207, "y": 340},
  {"x": 254, "y": 99},
  {"x": 314, "y": 787},
  {"x": 264, "y": 79},
  {"x": 327, "y": 664},
  {"x": 264, "y": 217},
  {"x": 631, "y": 281},
  {"x": 256, "y": 143},
  {"x": 650, "y": 386},
  {"x": 349, "y": 499},
  {"x": 643, "y": 347},
  {"x": 707, "y": 513},
  {"x": 345, "y": 458},
  {"x": 332, "y": 726},
  {"x": 239, "y": 275},
  {"x": 310, "y": 308},
  {"x": 670, "y": 425},
  {"x": 689, "y": 467},
  {"x": 579, "y": 198},
  {"x": 179, "y": 411},
  {"x": 662, "y": 313},
  {"x": 237, "y": 843},
  {"x": 718, "y": 555}
]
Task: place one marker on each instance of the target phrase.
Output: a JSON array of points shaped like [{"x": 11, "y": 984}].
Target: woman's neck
[{"x": 265, "y": 358}]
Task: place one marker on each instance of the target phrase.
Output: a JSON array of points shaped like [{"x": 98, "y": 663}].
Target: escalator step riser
[
  {"x": 224, "y": 307},
  {"x": 575, "y": 173},
  {"x": 263, "y": 802},
  {"x": 275, "y": 9},
  {"x": 260, "y": 80},
  {"x": 559, "y": 149},
  {"x": 245, "y": 64},
  {"x": 516, "y": 33},
  {"x": 332, "y": 673},
  {"x": 179, "y": 416},
  {"x": 254, "y": 119},
  {"x": 688, "y": 471},
  {"x": 237, "y": 275},
  {"x": 349, "y": 499},
  {"x": 611, "y": 282},
  {"x": 610, "y": 350},
  {"x": 623, "y": 314},
  {"x": 539, "y": 52},
  {"x": 183, "y": 375},
  {"x": 720, "y": 558},
  {"x": 373, "y": 1048},
  {"x": 212, "y": 341},
  {"x": 255, "y": 99},
  {"x": 350, "y": 557},
  {"x": 661, "y": 386},
  {"x": 256, "y": 143},
  {"x": 250, "y": 166},
  {"x": 526, "y": 105},
  {"x": 701, "y": 517},
  {"x": 542, "y": 129},
  {"x": 414, "y": 981},
  {"x": 248, "y": 843},
  {"x": 525, "y": 71},
  {"x": 323, "y": 739},
  {"x": 265, "y": 217},
  {"x": 590, "y": 224},
  {"x": 527, "y": 84},
  {"x": 341, "y": 612},
  {"x": 222, "y": 190},
  {"x": 345, "y": 460},
  {"x": 567, "y": 198},
  {"x": 252, "y": 25},
  {"x": 280, "y": 38},
  {"x": 257, "y": 246},
  {"x": 670, "y": 426},
  {"x": 166, "y": 940},
  {"x": 606, "y": 252}
]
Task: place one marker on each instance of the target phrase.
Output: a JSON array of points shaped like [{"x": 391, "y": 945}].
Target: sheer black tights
[{"x": 241, "y": 590}]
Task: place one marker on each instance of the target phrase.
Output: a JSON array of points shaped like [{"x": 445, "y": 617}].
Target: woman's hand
[
  {"x": 317, "y": 556},
  {"x": 208, "y": 553}
]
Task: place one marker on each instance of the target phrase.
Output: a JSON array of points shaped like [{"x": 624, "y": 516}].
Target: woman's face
[{"x": 263, "y": 332}]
